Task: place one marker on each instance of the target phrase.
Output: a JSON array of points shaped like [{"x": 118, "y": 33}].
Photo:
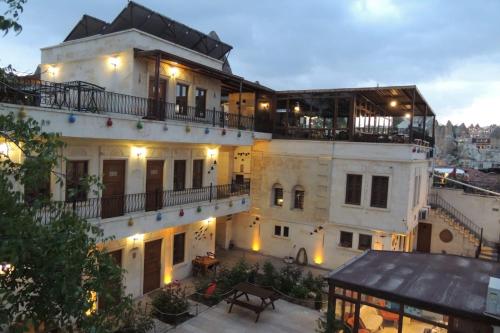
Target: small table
[
  {"x": 266, "y": 296},
  {"x": 205, "y": 263}
]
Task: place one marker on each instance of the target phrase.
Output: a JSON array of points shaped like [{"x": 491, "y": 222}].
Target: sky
[{"x": 449, "y": 49}]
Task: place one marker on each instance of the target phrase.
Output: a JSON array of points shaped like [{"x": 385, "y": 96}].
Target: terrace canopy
[
  {"x": 412, "y": 292},
  {"x": 391, "y": 114}
]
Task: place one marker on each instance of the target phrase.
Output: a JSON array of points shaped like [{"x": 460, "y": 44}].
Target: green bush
[
  {"x": 299, "y": 291},
  {"x": 314, "y": 284},
  {"x": 228, "y": 278},
  {"x": 170, "y": 303},
  {"x": 269, "y": 277},
  {"x": 135, "y": 320},
  {"x": 288, "y": 278}
]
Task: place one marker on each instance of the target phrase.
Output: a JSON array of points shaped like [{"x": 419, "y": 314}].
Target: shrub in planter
[
  {"x": 313, "y": 283},
  {"x": 288, "y": 278},
  {"x": 299, "y": 291},
  {"x": 171, "y": 304},
  {"x": 270, "y": 276},
  {"x": 228, "y": 278},
  {"x": 135, "y": 320}
]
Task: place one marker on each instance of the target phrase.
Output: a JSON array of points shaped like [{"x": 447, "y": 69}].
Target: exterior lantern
[
  {"x": 188, "y": 129},
  {"x": 158, "y": 216},
  {"x": 243, "y": 201},
  {"x": 72, "y": 118},
  {"x": 109, "y": 123},
  {"x": 239, "y": 134},
  {"x": 139, "y": 125},
  {"x": 198, "y": 209},
  {"x": 181, "y": 213},
  {"x": 207, "y": 130},
  {"x": 165, "y": 127},
  {"x": 223, "y": 131}
]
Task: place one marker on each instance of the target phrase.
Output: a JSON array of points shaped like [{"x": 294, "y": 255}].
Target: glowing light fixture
[
  {"x": 4, "y": 149},
  {"x": 139, "y": 151},
  {"x": 407, "y": 115},
  {"x": 393, "y": 103},
  {"x": 52, "y": 70},
  {"x": 296, "y": 108},
  {"x": 114, "y": 61},
  {"x": 173, "y": 71},
  {"x": 211, "y": 152},
  {"x": 264, "y": 106}
]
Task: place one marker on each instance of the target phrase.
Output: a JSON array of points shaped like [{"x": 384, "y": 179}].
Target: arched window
[
  {"x": 277, "y": 195},
  {"x": 298, "y": 197}
]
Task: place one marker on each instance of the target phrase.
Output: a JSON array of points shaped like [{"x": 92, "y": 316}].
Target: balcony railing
[
  {"x": 119, "y": 205},
  {"x": 85, "y": 97}
]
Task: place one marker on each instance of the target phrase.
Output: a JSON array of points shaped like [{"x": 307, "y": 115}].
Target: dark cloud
[{"x": 449, "y": 48}]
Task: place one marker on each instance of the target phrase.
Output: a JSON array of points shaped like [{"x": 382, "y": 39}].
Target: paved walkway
[{"x": 287, "y": 317}]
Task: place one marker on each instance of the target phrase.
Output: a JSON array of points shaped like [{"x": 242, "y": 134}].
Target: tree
[
  {"x": 57, "y": 261},
  {"x": 9, "y": 20}
]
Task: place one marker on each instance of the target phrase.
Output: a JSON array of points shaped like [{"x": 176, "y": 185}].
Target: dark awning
[
  {"x": 447, "y": 284},
  {"x": 229, "y": 81}
]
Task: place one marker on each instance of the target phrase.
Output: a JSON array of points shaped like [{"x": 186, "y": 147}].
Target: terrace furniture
[
  {"x": 202, "y": 264},
  {"x": 370, "y": 317},
  {"x": 266, "y": 296}
]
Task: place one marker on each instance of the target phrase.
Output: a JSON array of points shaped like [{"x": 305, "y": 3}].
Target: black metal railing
[
  {"x": 86, "y": 97},
  {"x": 436, "y": 201},
  {"x": 118, "y": 205}
]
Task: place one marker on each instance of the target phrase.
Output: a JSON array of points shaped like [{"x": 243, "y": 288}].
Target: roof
[
  {"x": 228, "y": 80},
  {"x": 136, "y": 16},
  {"x": 447, "y": 284},
  {"x": 379, "y": 96}
]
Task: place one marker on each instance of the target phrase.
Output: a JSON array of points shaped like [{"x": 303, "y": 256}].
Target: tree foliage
[
  {"x": 9, "y": 20},
  {"x": 59, "y": 264}
]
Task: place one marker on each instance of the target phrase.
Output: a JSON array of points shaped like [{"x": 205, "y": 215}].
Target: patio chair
[{"x": 370, "y": 317}]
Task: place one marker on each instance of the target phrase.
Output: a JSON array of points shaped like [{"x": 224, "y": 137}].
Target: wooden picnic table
[{"x": 266, "y": 296}]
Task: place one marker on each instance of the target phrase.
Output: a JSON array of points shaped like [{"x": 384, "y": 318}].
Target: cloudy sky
[{"x": 450, "y": 49}]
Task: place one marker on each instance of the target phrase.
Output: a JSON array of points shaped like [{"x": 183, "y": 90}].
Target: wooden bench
[{"x": 266, "y": 296}]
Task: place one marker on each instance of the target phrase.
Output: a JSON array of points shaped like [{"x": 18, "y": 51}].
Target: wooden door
[
  {"x": 113, "y": 195},
  {"x": 154, "y": 185},
  {"x": 198, "y": 173},
  {"x": 153, "y": 111},
  {"x": 424, "y": 237},
  {"x": 179, "y": 175},
  {"x": 152, "y": 266}
]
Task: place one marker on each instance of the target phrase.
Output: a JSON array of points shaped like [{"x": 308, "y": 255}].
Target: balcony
[
  {"x": 120, "y": 205},
  {"x": 88, "y": 98}
]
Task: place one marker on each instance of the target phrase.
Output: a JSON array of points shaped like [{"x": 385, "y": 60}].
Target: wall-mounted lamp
[
  {"x": 393, "y": 103},
  {"x": 407, "y": 115},
  {"x": 264, "y": 106},
  {"x": 52, "y": 70},
  {"x": 139, "y": 151},
  {"x": 114, "y": 61},
  {"x": 173, "y": 72}
]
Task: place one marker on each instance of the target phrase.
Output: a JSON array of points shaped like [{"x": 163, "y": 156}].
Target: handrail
[
  {"x": 436, "y": 200},
  {"x": 476, "y": 188},
  {"x": 119, "y": 205},
  {"x": 86, "y": 97}
]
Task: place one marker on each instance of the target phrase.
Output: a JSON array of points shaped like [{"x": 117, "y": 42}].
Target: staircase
[{"x": 471, "y": 231}]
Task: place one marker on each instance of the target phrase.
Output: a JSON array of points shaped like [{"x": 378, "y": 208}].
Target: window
[
  {"x": 181, "y": 94},
  {"x": 198, "y": 173},
  {"x": 353, "y": 189},
  {"x": 416, "y": 191},
  {"x": 298, "y": 198},
  {"x": 278, "y": 196},
  {"x": 365, "y": 242},
  {"x": 281, "y": 231},
  {"x": 75, "y": 171},
  {"x": 179, "y": 248},
  {"x": 286, "y": 232},
  {"x": 345, "y": 239},
  {"x": 277, "y": 230},
  {"x": 179, "y": 175},
  {"x": 380, "y": 187},
  {"x": 200, "y": 102}
]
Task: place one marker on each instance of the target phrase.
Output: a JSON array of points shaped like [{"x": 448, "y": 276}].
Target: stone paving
[{"x": 287, "y": 317}]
